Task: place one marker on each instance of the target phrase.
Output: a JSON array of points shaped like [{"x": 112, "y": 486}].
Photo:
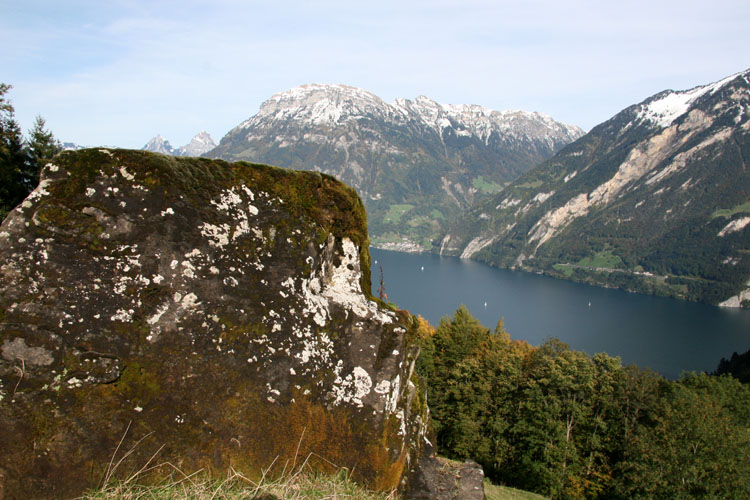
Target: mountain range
[
  {"x": 200, "y": 144},
  {"x": 656, "y": 200},
  {"x": 416, "y": 164}
]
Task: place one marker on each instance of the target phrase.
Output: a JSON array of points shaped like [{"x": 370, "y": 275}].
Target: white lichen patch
[
  {"x": 41, "y": 190},
  {"x": 352, "y": 388},
  {"x": 125, "y": 316},
  {"x": 75, "y": 382},
  {"x": 158, "y": 314},
  {"x": 343, "y": 287},
  {"x": 189, "y": 301},
  {"x": 316, "y": 351},
  {"x": 127, "y": 175},
  {"x": 188, "y": 270}
]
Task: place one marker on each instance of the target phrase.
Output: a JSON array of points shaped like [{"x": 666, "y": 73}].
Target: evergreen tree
[
  {"x": 12, "y": 155},
  {"x": 20, "y": 162},
  {"x": 738, "y": 366},
  {"x": 42, "y": 147}
]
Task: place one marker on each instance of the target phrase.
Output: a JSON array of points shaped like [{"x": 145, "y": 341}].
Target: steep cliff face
[{"x": 208, "y": 313}]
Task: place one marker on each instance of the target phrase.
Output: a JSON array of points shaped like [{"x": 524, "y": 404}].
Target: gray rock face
[
  {"x": 201, "y": 143},
  {"x": 441, "y": 479},
  {"x": 205, "y": 313}
]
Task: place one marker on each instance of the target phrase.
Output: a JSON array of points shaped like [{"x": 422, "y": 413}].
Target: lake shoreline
[{"x": 665, "y": 334}]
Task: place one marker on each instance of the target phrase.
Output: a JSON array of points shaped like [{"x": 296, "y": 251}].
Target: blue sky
[{"x": 118, "y": 72}]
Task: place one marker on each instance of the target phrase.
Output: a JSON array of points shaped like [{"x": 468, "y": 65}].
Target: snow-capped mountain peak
[
  {"x": 320, "y": 104},
  {"x": 335, "y": 104},
  {"x": 664, "y": 108}
]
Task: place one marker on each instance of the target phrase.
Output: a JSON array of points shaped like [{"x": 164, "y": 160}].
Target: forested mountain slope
[
  {"x": 416, "y": 164},
  {"x": 656, "y": 200}
]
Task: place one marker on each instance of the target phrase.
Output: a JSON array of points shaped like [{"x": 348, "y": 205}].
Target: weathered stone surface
[
  {"x": 210, "y": 314},
  {"x": 437, "y": 478}
]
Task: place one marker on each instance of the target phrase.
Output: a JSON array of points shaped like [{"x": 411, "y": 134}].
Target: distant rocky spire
[{"x": 201, "y": 143}]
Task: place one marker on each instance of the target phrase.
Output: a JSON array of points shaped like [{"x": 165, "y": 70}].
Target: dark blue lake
[{"x": 666, "y": 335}]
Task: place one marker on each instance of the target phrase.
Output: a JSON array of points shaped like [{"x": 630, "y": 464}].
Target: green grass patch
[
  {"x": 422, "y": 220},
  {"x": 566, "y": 269},
  {"x": 494, "y": 492},
  {"x": 395, "y": 212},
  {"x": 729, "y": 212},
  {"x": 437, "y": 214},
  {"x": 602, "y": 259},
  {"x": 386, "y": 238},
  {"x": 485, "y": 186}
]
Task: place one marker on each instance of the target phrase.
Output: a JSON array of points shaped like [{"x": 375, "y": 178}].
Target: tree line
[
  {"x": 567, "y": 425},
  {"x": 21, "y": 158}
]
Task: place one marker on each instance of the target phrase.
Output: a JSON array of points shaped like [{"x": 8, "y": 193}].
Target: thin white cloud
[{"x": 119, "y": 72}]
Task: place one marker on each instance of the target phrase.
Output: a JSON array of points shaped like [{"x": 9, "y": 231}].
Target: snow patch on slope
[{"x": 666, "y": 109}]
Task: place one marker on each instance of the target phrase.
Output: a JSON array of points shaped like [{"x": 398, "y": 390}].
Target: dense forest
[
  {"x": 568, "y": 425},
  {"x": 738, "y": 365}
]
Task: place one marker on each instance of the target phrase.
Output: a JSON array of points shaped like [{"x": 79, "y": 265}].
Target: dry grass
[
  {"x": 296, "y": 482},
  {"x": 304, "y": 484}
]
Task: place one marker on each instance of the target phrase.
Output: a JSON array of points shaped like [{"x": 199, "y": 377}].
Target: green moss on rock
[{"x": 219, "y": 315}]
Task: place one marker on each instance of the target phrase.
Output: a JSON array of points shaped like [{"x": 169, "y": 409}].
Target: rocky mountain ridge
[
  {"x": 656, "y": 199},
  {"x": 198, "y": 145},
  {"x": 416, "y": 164}
]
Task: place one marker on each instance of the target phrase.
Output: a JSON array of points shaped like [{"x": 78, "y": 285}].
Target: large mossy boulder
[{"x": 198, "y": 313}]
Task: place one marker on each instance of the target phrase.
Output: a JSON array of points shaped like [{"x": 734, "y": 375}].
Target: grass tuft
[
  {"x": 296, "y": 482},
  {"x": 303, "y": 484}
]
